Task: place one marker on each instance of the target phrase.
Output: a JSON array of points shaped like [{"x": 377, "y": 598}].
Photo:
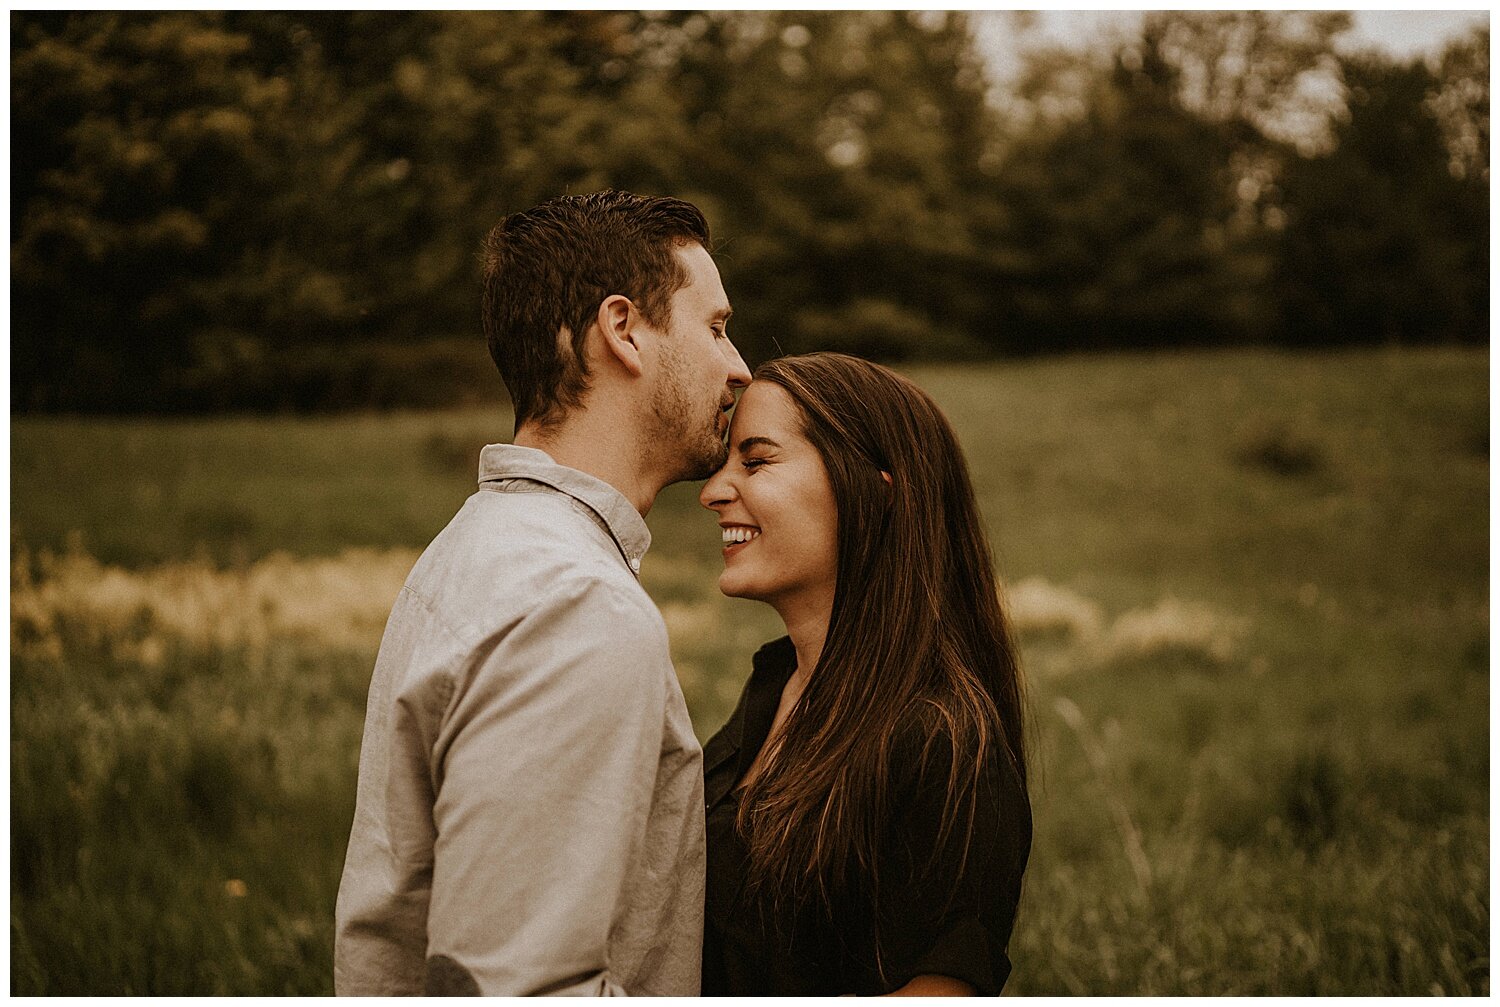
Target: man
[{"x": 530, "y": 816}]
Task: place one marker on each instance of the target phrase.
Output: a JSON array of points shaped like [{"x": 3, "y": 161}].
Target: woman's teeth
[{"x": 740, "y": 534}]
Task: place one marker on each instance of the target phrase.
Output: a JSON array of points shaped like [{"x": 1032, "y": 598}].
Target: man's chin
[{"x": 705, "y": 463}]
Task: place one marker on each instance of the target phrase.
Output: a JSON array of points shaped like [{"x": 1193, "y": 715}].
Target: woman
[{"x": 868, "y": 822}]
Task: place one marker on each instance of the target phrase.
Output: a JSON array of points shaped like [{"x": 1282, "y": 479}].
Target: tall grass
[{"x": 1252, "y": 595}]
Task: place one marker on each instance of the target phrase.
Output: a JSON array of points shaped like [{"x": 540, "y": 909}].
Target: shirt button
[{"x": 635, "y": 565}]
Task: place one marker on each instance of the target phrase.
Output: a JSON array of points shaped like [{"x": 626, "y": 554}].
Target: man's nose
[{"x": 739, "y": 374}]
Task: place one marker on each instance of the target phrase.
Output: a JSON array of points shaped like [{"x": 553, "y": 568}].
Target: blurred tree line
[{"x": 282, "y": 210}]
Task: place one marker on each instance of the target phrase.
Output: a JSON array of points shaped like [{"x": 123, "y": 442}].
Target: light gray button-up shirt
[{"x": 530, "y": 808}]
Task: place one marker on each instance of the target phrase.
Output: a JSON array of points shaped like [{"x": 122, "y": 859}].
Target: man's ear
[{"x": 618, "y": 321}]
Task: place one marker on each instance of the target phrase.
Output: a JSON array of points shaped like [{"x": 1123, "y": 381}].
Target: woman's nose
[{"x": 716, "y": 492}]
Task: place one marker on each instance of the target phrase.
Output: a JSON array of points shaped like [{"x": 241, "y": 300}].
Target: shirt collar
[
  {"x": 772, "y": 665},
  {"x": 623, "y": 522},
  {"x": 742, "y": 736}
]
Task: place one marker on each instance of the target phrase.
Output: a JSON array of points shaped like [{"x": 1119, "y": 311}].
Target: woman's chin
[{"x": 733, "y": 586}]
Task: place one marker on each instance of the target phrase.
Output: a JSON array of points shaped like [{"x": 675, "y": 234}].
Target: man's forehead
[{"x": 702, "y": 272}]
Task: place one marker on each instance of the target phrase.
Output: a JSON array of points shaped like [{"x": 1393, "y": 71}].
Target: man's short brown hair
[{"x": 547, "y": 270}]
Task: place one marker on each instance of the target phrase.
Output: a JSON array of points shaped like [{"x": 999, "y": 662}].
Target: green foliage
[
  {"x": 1305, "y": 812},
  {"x": 141, "y": 151},
  {"x": 1462, "y": 103},
  {"x": 1125, "y": 219},
  {"x": 838, "y": 155},
  {"x": 1250, "y": 68},
  {"x": 1383, "y": 237},
  {"x": 203, "y": 196},
  {"x": 280, "y": 210}
]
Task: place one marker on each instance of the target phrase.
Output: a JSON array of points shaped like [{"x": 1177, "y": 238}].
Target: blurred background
[{"x": 1206, "y": 296}]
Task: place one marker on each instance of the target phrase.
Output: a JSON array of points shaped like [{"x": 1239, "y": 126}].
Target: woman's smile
[
  {"x": 736, "y": 537},
  {"x": 774, "y": 480}
]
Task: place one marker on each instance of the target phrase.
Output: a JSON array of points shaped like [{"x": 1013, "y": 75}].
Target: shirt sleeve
[
  {"x": 956, "y": 879},
  {"x": 544, "y": 772}
]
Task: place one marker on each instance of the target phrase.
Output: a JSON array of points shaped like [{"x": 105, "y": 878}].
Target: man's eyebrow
[
  {"x": 750, "y": 442},
  {"x": 722, "y": 315}
]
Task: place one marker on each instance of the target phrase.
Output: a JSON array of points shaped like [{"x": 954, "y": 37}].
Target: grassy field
[{"x": 1252, "y": 587}]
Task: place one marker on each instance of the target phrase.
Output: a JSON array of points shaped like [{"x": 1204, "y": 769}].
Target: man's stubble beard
[{"x": 690, "y": 449}]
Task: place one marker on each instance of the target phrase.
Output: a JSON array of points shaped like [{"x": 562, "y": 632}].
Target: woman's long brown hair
[{"x": 917, "y": 635}]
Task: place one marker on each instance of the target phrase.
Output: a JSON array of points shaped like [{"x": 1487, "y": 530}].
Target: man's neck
[{"x": 598, "y": 446}]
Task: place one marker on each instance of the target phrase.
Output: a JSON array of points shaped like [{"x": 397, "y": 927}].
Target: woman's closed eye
[{"x": 751, "y": 464}]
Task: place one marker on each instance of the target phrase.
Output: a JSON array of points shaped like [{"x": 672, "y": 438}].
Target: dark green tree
[
  {"x": 140, "y": 146},
  {"x": 1143, "y": 212},
  {"x": 1462, "y": 103},
  {"x": 205, "y": 203},
  {"x": 1385, "y": 241},
  {"x": 841, "y": 156},
  {"x": 1122, "y": 220},
  {"x": 282, "y": 209}
]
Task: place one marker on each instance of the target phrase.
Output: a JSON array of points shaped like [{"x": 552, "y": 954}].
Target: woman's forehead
[{"x": 765, "y": 410}]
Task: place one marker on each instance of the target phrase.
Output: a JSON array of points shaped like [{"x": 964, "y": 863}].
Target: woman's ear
[
  {"x": 617, "y": 320},
  {"x": 887, "y": 477}
]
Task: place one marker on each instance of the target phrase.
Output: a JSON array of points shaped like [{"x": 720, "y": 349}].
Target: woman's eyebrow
[{"x": 750, "y": 442}]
